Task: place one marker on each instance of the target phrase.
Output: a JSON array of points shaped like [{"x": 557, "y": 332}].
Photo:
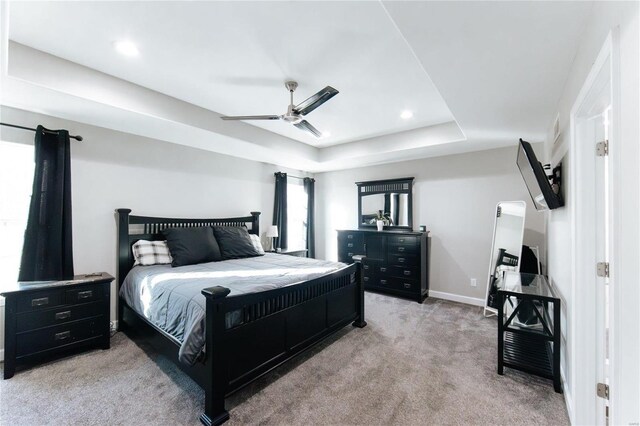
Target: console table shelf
[{"x": 529, "y": 326}]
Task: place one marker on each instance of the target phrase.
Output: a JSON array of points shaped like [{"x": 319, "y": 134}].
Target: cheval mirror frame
[
  {"x": 387, "y": 186},
  {"x": 505, "y": 208}
]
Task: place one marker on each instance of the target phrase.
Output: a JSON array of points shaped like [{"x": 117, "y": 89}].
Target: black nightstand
[
  {"x": 292, "y": 252},
  {"x": 49, "y": 318}
]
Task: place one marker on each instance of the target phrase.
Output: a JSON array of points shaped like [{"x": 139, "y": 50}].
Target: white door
[{"x": 593, "y": 223}]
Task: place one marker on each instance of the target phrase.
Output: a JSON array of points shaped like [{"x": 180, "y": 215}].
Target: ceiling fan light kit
[{"x": 295, "y": 113}]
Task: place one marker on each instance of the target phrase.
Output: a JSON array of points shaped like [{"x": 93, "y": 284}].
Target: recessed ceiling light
[
  {"x": 126, "y": 48},
  {"x": 406, "y": 114}
]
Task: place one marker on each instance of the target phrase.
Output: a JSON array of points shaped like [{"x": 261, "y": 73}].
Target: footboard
[{"x": 275, "y": 326}]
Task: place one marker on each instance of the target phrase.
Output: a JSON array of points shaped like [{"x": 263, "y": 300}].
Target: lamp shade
[{"x": 272, "y": 232}]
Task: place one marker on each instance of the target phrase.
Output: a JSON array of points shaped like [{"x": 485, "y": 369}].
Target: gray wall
[
  {"x": 454, "y": 196},
  {"x": 113, "y": 169}
]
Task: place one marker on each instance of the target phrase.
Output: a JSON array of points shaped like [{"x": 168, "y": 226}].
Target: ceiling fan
[{"x": 295, "y": 113}]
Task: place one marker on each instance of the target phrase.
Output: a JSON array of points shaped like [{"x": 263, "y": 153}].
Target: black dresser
[
  {"x": 46, "y": 319},
  {"x": 396, "y": 262}
]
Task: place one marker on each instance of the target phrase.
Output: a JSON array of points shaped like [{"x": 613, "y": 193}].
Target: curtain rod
[
  {"x": 295, "y": 177},
  {"x": 51, "y": 132}
]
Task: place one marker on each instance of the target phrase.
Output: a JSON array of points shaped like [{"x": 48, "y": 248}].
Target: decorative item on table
[
  {"x": 423, "y": 228},
  {"x": 272, "y": 233},
  {"x": 381, "y": 220}
]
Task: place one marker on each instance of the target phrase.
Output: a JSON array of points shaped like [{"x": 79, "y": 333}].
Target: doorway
[{"x": 593, "y": 137}]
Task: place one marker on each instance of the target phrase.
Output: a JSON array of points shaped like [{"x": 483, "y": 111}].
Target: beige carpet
[{"x": 433, "y": 363}]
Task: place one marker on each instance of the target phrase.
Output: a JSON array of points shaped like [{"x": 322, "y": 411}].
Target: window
[
  {"x": 296, "y": 214},
  {"x": 16, "y": 180}
]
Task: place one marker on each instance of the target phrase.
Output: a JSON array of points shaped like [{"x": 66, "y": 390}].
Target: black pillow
[
  {"x": 189, "y": 246},
  {"x": 235, "y": 242}
]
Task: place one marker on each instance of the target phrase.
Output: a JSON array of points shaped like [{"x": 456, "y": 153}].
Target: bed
[{"x": 251, "y": 325}]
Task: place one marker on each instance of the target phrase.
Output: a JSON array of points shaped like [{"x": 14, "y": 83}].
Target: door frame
[{"x": 583, "y": 360}]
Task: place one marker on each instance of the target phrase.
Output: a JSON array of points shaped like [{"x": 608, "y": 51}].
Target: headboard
[{"x": 134, "y": 228}]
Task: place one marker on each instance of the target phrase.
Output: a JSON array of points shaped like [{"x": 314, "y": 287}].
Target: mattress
[{"x": 171, "y": 298}]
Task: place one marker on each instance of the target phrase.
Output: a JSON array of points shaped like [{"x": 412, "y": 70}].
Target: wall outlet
[{"x": 474, "y": 282}]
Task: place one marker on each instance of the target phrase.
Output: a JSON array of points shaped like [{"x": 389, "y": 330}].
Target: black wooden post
[
  {"x": 500, "y": 297},
  {"x": 124, "y": 258},
  {"x": 359, "y": 322},
  {"x": 255, "y": 223},
  {"x": 557, "y": 384},
  {"x": 216, "y": 352}
]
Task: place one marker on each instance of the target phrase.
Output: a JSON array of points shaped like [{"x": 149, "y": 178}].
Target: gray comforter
[{"x": 171, "y": 299}]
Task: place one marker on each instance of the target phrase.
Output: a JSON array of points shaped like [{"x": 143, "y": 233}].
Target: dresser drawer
[
  {"x": 85, "y": 294},
  {"x": 52, "y": 337},
  {"x": 369, "y": 268},
  {"x": 38, "y": 300},
  {"x": 403, "y": 240},
  {"x": 411, "y": 286},
  {"x": 32, "y": 320},
  {"x": 408, "y": 272},
  {"x": 403, "y": 260},
  {"x": 403, "y": 249}
]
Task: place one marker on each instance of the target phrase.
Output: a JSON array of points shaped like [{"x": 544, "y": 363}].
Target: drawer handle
[
  {"x": 401, "y": 240},
  {"x": 383, "y": 269},
  {"x": 63, "y": 335},
  {"x": 401, "y": 259},
  {"x": 40, "y": 302},
  {"x": 383, "y": 282},
  {"x": 366, "y": 278},
  {"x": 400, "y": 248},
  {"x": 407, "y": 285},
  {"x": 63, "y": 315},
  {"x": 365, "y": 266},
  {"x": 350, "y": 237},
  {"x": 407, "y": 273},
  {"x": 349, "y": 254},
  {"x": 85, "y": 294},
  {"x": 350, "y": 245}
]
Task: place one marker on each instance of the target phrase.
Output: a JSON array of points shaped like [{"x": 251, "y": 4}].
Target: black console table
[{"x": 529, "y": 326}]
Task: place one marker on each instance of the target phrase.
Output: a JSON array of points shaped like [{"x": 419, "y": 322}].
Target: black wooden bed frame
[{"x": 277, "y": 324}]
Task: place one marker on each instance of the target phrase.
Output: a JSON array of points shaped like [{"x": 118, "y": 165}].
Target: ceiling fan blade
[
  {"x": 307, "y": 127},
  {"x": 251, "y": 117},
  {"x": 308, "y": 105}
]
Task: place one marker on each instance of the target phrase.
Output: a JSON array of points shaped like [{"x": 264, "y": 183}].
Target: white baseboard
[{"x": 475, "y": 301}]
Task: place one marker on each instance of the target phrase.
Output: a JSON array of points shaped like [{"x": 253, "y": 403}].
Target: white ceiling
[
  {"x": 233, "y": 58},
  {"x": 477, "y": 75}
]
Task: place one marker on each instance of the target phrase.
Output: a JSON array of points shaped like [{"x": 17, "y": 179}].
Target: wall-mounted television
[{"x": 542, "y": 192}]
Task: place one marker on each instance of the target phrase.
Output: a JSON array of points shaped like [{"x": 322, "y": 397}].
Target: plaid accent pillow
[
  {"x": 148, "y": 253},
  {"x": 255, "y": 240}
]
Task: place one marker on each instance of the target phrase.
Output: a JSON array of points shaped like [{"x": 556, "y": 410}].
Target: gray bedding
[{"x": 171, "y": 299}]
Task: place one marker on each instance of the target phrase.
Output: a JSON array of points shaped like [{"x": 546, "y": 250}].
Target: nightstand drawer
[
  {"x": 39, "y": 300},
  {"x": 84, "y": 294},
  {"x": 32, "y": 320},
  {"x": 51, "y": 337}
]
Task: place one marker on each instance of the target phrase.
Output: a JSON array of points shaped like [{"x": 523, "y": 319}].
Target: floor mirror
[{"x": 508, "y": 232}]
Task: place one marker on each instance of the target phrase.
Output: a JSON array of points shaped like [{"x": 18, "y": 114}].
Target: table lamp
[{"x": 272, "y": 233}]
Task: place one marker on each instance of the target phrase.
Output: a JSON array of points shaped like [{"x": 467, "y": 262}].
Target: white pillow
[
  {"x": 148, "y": 253},
  {"x": 256, "y": 243}
]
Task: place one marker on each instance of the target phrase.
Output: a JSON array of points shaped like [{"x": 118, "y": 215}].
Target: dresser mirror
[
  {"x": 387, "y": 200},
  {"x": 508, "y": 232}
]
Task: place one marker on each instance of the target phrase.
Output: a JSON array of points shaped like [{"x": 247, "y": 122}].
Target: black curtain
[
  {"x": 47, "y": 253},
  {"x": 309, "y": 188},
  {"x": 280, "y": 210}
]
